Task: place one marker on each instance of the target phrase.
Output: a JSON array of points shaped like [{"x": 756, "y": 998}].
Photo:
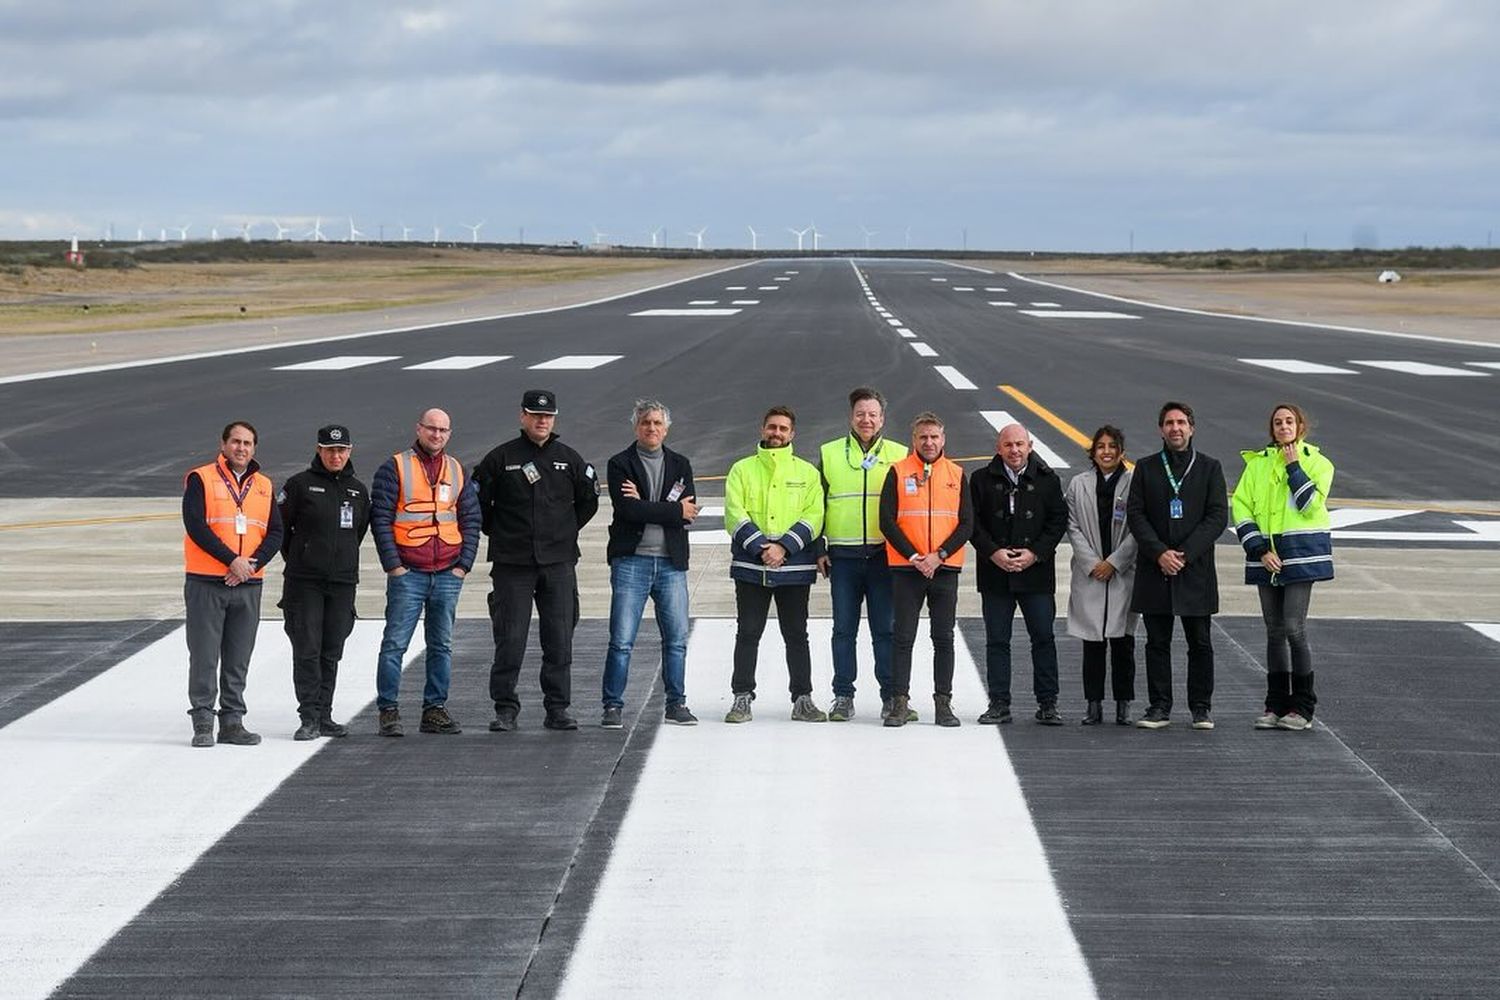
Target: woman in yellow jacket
[{"x": 1281, "y": 517}]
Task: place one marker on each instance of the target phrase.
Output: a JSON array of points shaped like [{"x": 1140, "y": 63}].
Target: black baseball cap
[
  {"x": 539, "y": 401},
  {"x": 334, "y": 436}
]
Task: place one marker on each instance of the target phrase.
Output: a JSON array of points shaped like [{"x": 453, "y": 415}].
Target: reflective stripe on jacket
[
  {"x": 221, "y": 508},
  {"x": 853, "y": 489},
  {"x": 423, "y": 510},
  {"x": 1284, "y": 509},
  {"x": 927, "y": 503}
]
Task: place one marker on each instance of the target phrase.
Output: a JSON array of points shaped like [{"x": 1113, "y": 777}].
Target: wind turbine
[
  {"x": 405, "y": 233},
  {"x": 698, "y": 235},
  {"x": 353, "y": 232},
  {"x": 473, "y": 231},
  {"x": 213, "y": 233},
  {"x": 281, "y": 230},
  {"x": 140, "y": 234},
  {"x": 245, "y": 231},
  {"x": 906, "y": 244},
  {"x": 656, "y": 236},
  {"x": 182, "y": 232},
  {"x": 598, "y": 236},
  {"x": 163, "y": 238},
  {"x": 754, "y": 244},
  {"x": 868, "y": 233},
  {"x": 316, "y": 232},
  {"x": 799, "y": 233},
  {"x": 435, "y": 232},
  {"x": 816, "y": 236}
]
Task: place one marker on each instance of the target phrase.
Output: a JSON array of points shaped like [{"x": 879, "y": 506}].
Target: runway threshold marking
[
  {"x": 107, "y": 805},
  {"x": 772, "y": 859},
  {"x": 458, "y": 362},
  {"x": 1057, "y": 423},
  {"x": 576, "y": 362},
  {"x": 342, "y": 362}
]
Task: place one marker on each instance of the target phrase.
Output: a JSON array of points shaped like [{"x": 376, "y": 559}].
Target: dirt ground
[{"x": 1464, "y": 305}]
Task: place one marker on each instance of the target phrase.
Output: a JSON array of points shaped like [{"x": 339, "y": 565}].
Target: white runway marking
[
  {"x": 784, "y": 859},
  {"x": 734, "y": 288},
  {"x": 721, "y": 311},
  {"x": 1002, "y": 303},
  {"x": 458, "y": 362},
  {"x": 704, "y": 302},
  {"x": 1476, "y": 532},
  {"x": 954, "y": 376},
  {"x": 904, "y": 332},
  {"x": 767, "y": 288},
  {"x": 1348, "y": 517},
  {"x": 577, "y": 362},
  {"x": 1296, "y": 367},
  {"x": 1077, "y": 314},
  {"x": 745, "y": 302},
  {"x": 1489, "y": 630},
  {"x": 783, "y": 279},
  {"x": 1484, "y": 364},
  {"x": 708, "y": 536},
  {"x": 999, "y": 420},
  {"x": 937, "y": 279},
  {"x": 338, "y": 364},
  {"x": 791, "y": 272},
  {"x": 106, "y": 804},
  {"x": 962, "y": 288},
  {"x": 894, "y": 322},
  {"x": 991, "y": 289},
  {"x": 1420, "y": 368},
  {"x": 1046, "y": 305},
  {"x": 923, "y": 349}
]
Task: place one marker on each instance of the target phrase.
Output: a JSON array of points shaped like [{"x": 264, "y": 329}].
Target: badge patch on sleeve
[
  {"x": 281, "y": 496},
  {"x": 588, "y": 470}
]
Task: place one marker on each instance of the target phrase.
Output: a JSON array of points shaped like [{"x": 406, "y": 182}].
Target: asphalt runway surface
[
  {"x": 1402, "y": 418},
  {"x": 1356, "y": 860}
]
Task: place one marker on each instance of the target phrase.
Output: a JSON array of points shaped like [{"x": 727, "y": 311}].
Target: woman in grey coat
[{"x": 1103, "y": 572}]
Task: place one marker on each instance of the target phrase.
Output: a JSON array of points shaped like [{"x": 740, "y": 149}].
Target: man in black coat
[
  {"x": 1020, "y": 516},
  {"x": 654, "y": 500},
  {"x": 326, "y": 513},
  {"x": 1178, "y": 508},
  {"x": 535, "y": 494}
]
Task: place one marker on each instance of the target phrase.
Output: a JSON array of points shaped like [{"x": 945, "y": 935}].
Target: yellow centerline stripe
[
  {"x": 89, "y": 522},
  {"x": 1072, "y": 433}
]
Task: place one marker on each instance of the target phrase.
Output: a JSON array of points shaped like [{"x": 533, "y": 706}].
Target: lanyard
[
  {"x": 1172, "y": 480},
  {"x": 871, "y": 457},
  {"x": 238, "y": 494}
]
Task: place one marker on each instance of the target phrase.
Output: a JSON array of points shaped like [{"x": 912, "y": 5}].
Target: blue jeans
[
  {"x": 632, "y": 579},
  {"x": 852, "y": 581},
  {"x": 999, "y": 612},
  {"x": 406, "y": 597}
]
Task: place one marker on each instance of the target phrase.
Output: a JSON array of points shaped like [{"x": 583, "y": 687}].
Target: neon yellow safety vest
[{"x": 853, "y": 480}]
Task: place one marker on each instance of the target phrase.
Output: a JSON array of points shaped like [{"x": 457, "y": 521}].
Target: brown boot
[
  {"x": 942, "y": 711},
  {"x": 899, "y": 705}
]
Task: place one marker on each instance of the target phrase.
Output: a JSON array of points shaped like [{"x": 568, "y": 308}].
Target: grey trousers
[{"x": 221, "y": 626}]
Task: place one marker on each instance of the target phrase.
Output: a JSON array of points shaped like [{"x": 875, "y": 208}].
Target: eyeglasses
[{"x": 436, "y": 430}]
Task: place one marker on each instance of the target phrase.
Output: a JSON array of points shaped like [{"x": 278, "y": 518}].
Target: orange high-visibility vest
[
  {"x": 426, "y": 510},
  {"x": 926, "y": 506},
  {"x": 223, "y": 501}
]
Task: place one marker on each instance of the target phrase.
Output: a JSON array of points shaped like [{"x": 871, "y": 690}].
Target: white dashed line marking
[
  {"x": 342, "y": 362},
  {"x": 1420, "y": 368},
  {"x": 576, "y": 362},
  {"x": 954, "y": 376},
  {"x": 1297, "y": 367},
  {"x": 458, "y": 363},
  {"x": 922, "y": 349}
]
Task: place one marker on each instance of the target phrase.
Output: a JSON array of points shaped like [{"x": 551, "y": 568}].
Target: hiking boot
[
  {"x": 805, "y": 710},
  {"x": 996, "y": 715},
  {"x": 436, "y": 719},
  {"x": 842, "y": 709},
  {"x": 1295, "y": 721},
  {"x": 337, "y": 730},
  {"x": 1156, "y": 717},
  {"x": 1047, "y": 714},
  {"x": 390, "y": 722},
  {"x": 203, "y": 732},
  {"x": 558, "y": 719},
  {"x": 1201, "y": 719},
  {"x": 610, "y": 718},
  {"x": 942, "y": 711},
  {"x": 235, "y": 734},
  {"x": 885, "y": 709},
  {"x": 678, "y": 715},
  {"x": 897, "y": 717},
  {"x": 1122, "y": 713},
  {"x": 1267, "y": 720},
  {"x": 740, "y": 710},
  {"x": 307, "y": 731},
  {"x": 1093, "y": 714},
  {"x": 504, "y": 720}
]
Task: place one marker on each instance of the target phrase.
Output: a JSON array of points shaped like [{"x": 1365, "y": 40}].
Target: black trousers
[
  {"x": 752, "y": 605},
  {"x": 318, "y": 617},
  {"x": 909, "y": 590},
  {"x": 1200, "y": 665},
  {"x": 1121, "y": 651},
  {"x": 554, "y": 589}
]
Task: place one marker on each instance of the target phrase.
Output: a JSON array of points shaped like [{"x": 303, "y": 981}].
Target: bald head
[
  {"x": 433, "y": 429},
  {"x": 1013, "y": 446}
]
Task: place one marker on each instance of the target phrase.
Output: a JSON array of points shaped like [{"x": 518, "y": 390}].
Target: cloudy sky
[{"x": 1074, "y": 125}]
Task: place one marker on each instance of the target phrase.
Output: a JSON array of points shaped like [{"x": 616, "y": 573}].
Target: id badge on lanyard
[
  {"x": 1174, "y": 509},
  {"x": 241, "y": 523}
]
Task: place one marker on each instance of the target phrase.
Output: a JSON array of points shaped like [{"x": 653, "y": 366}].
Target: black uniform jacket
[
  {"x": 535, "y": 523},
  {"x": 1205, "y": 512},
  {"x": 316, "y": 545},
  {"x": 1037, "y": 521},
  {"x": 631, "y": 516}
]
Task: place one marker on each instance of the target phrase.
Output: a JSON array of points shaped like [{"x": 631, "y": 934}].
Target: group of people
[{"x": 888, "y": 525}]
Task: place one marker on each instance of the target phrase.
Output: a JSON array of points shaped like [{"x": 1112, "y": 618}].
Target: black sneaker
[
  {"x": 996, "y": 715},
  {"x": 610, "y": 719},
  {"x": 390, "y": 722},
  {"x": 203, "y": 733},
  {"x": 437, "y": 720},
  {"x": 678, "y": 715},
  {"x": 1047, "y": 715},
  {"x": 559, "y": 719},
  {"x": 1156, "y": 717},
  {"x": 235, "y": 734},
  {"x": 327, "y": 727},
  {"x": 1201, "y": 719},
  {"x": 504, "y": 720},
  {"x": 307, "y": 731}
]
